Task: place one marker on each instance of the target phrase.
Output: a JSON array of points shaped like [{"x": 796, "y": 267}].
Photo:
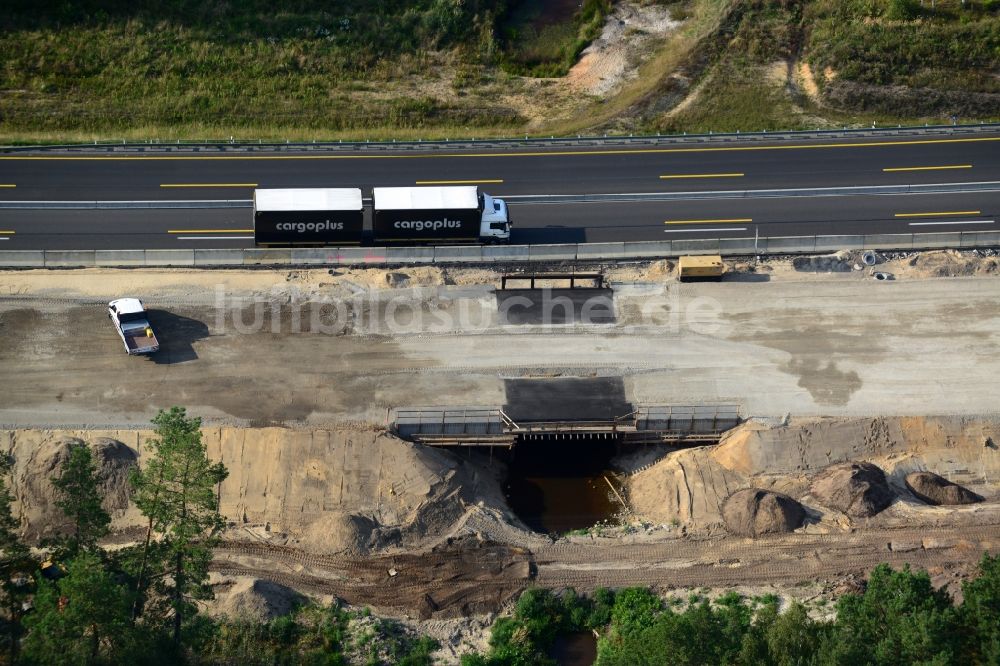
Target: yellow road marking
[
  {"x": 929, "y": 168},
  {"x": 8, "y": 185},
  {"x": 208, "y": 185},
  {"x": 641, "y": 151},
  {"x": 210, "y": 231},
  {"x": 733, "y": 220},
  {"x": 455, "y": 182},
  {"x": 939, "y": 214},
  {"x": 8, "y": 232},
  {"x": 702, "y": 175}
]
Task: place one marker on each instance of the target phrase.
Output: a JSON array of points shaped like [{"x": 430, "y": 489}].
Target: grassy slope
[
  {"x": 181, "y": 66},
  {"x": 377, "y": 68},
  {"x": 868, "y": 50}
]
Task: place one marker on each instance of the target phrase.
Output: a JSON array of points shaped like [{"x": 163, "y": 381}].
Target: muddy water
[
  {"x": 579, "y": 649},
  {"x": 558, "y": 485}
]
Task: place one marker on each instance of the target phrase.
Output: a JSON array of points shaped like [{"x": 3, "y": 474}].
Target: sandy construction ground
[
  {"x": 310, "y": 348},
  {"x": 360, "y": 515},
  {"x": 295, "y": 372}
]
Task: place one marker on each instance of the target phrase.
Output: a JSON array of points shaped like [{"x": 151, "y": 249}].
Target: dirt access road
[
  {"x": 467, "y": 577},
  {"x": 288, "y": 349}
]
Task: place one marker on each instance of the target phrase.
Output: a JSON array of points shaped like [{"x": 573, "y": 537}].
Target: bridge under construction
[{"x": 494, "y": 427}]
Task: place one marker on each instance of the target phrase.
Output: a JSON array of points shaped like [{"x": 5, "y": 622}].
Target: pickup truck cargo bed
[{"x": 137, "y": 339}]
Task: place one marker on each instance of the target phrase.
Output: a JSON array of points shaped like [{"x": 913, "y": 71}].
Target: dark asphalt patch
[
  {"x": 526, "y": 307},
  {"x": 566, "y": 399}
]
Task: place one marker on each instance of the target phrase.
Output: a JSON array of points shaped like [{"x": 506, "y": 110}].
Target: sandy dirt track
[
  {"x": 469, "y": 578},
  {"x": 288, "y": 348}
]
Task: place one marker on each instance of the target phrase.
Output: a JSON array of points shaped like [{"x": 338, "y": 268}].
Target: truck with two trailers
[{"x": 414, "y": 215}]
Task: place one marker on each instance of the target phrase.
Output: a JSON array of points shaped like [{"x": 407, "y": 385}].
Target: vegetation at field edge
[{"x": 900, "y": 618}]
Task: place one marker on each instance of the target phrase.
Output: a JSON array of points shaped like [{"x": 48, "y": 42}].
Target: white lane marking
[
  {"x": 926, "y": 224},
  {"x": 4, "y": 238},
  {"x": 685, "y": 231},
  {"x": 136, "y": 202},
  {"x": 214, "y": 237},
  {"x": 808, "y": 192}
]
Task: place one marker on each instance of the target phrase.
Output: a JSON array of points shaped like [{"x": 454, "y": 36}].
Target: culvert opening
[{"x": 559, "y": 483}]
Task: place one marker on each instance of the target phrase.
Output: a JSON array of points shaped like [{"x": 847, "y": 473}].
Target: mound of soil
[
  {"x": 256, "y": 600},
  {"x": 951, "y": 263},
  {"x": 38, "y": 514},
  {"x": 858, "y": 489},
  {"x": 338, "y": 533},
  {"x": 114, "y": 461},
  {"x": 37, "y": 497},
  {"x": 752, "y": 512},
  {"x": 935, "y": 489}
]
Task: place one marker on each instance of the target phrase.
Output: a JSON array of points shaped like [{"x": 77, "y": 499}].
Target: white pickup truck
[{"x": 130, "y": 319}]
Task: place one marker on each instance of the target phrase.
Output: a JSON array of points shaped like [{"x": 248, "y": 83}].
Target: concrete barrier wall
[
  {"x": 941, "y": 241},
  {"x": 22, "y": 259},
  {"x": 552, "y": 252},
  {"x": 313, "y": 256},
  {"x": 888, "y": 242},
  {"x": 460, "y": 254},
  {"x": 502, "y": 253},
  {"x": 980, "y": 239},
  {"x": 710, "y": 246},
  {"x": 475, "y": 254},
  {"x": 650, "y": 249},
  {"x": 170, "y": 257},
  {"x": 69, "y": 258},
  {"x": 601, "y": 251},
  {"x": 834, "y": 243},
  {"x": 218, "y": 257},
  {"x": 267, "y": 257},
  {"x": 351, "y": 256},
  {"x": 120, "y": 258},
  {"x": 409, "y": 255},
  {"x": 790, "y": 244},
  {"x": 738, "y": 246}
]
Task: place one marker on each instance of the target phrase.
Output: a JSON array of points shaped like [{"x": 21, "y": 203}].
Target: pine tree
[
  {"x": 176, "y": 491},
  {"x": 16, "y": 565},
  {"x": 82, "y": 618},
  {"x": 981, "y": 612},
  {"x": 900, "y": 619},
  {"x": 80, "y": 501}
]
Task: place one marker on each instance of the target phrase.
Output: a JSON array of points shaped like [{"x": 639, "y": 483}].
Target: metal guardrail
[
  {"x": 232, "y": 144},
  {"x": 491, "y": 426},
  {"x": 495, "y": 254}
]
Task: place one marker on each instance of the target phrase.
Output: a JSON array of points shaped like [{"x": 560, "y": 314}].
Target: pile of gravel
[
  {"x": 858, "y": 489},
  {"x": 753, "y": 511},
  {"x": 935, "y": 489}
]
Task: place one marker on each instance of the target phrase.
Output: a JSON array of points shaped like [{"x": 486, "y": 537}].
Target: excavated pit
[{"x": 562, "y": 483}]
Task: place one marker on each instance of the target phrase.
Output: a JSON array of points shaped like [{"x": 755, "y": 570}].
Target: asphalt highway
[{"x": 40, "y": 177}]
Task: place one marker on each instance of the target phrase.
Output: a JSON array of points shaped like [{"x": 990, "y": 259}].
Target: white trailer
[{"x": 446, "y": 214}]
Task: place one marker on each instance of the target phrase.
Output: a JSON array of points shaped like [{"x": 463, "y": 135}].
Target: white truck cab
[
  {"x": 132, "y": 323},
  {"x": 496, "y": 222}
]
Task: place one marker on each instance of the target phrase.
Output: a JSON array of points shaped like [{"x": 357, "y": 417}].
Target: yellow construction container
[{"x": 704, "y": 267}]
